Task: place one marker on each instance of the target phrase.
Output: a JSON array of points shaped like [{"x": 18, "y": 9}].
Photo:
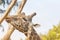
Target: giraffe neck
[
  {"x": 8, "y": 34},
  {"x": 33, "y": 35}
]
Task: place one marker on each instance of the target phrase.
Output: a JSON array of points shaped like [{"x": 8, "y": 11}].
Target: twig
[
  {"x": 8, "y": 34},
  {"x": 20, "y": 8}
]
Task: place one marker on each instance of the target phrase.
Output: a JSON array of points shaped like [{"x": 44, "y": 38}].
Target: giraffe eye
[{"x": 24, "y": 19}]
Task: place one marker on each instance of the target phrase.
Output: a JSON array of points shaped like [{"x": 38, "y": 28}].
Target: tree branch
[
  {"x": 20, "y": 8},
  {"x": 8, "y": 10}
]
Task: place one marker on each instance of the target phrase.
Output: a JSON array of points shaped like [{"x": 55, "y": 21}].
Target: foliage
[
  {"x": 53, "y": 34},
  {"x": 6, "y": 2}
]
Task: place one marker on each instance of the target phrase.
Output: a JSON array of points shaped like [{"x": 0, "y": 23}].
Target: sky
[{"x": 48, "y": 14}]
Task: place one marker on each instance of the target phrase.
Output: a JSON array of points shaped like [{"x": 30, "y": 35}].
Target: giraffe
[
  {"x": 24, "y": 24},
  {"x": 21, "y": 23}
]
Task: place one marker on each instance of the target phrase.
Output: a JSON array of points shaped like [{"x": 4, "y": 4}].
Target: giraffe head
[{"x": 20, "y": 22}]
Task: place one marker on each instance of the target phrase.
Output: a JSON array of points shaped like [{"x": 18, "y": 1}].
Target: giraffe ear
[{"x": 36, "y": 25}]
